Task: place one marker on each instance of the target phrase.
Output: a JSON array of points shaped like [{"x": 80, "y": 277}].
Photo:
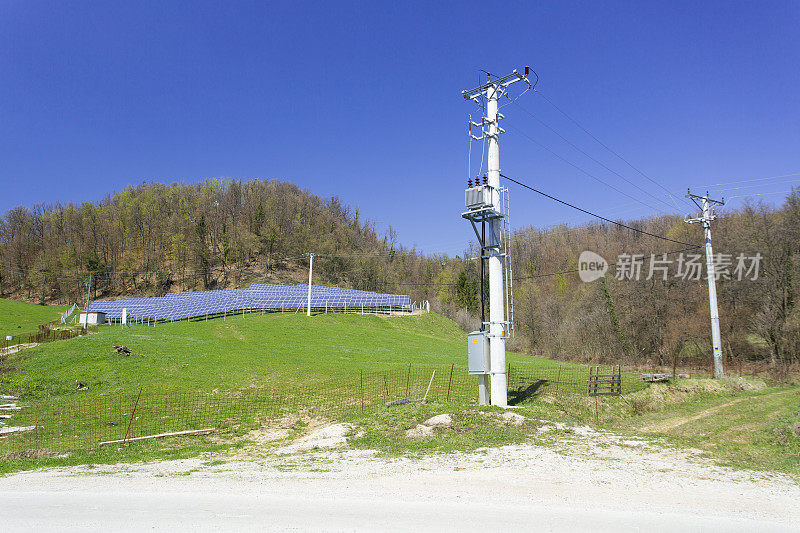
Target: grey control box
[{"x": 478, "y": 352}]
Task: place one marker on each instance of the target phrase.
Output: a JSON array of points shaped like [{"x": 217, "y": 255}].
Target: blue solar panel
[{"x": 182, "y": 305}]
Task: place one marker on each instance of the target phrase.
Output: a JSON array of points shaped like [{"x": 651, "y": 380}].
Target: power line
[
  {"x": 581, "y": 169},
  {"x": 790, "y": 180},
  {"x": 573, "y": 145},
  {"x": 761, "y": 194},
  {"x": 752, "y": 180},
  {"x": 601, "y": 143},
  {"x": 595, "y": 214}
]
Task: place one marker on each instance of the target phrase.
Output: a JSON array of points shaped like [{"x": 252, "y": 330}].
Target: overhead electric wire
[
  {"x": 604, "y": 145},
  {"x": 760, "y": 194},
  {"x": 582, "y": 169},
  {"x": 790, "y": 180},
  {"x": 573, "y": 145},
  {"x": 595, "y": 214},
  {"x": 752, "y": 180},
  {"x": 564, "y": 226}
]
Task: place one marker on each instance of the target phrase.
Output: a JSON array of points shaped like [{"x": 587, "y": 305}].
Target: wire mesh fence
[
  {"x": 528, "y": 381},
  {"x": 85, "y": 421},
  {"x": 45, "y": 334}
]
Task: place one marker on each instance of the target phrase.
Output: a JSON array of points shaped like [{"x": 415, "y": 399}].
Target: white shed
[{"x": 95, "y": 318}]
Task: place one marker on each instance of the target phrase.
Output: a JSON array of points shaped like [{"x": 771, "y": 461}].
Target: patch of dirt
[
  {"x": 515, "y": 419},
  {"x": 333, "y": 436},
  {"x": 419, "y": 431},
  {"x": 229, "y": 329},
  {"x": 267, "y": 435},
  {"x": 443, "y": 420},
  {"x": 17, "y": 348}
]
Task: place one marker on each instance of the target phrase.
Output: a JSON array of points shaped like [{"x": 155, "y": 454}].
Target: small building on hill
[{"x": 95, "y": 318}]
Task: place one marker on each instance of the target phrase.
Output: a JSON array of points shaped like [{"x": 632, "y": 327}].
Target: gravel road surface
[{"x": 594, "y": 484}]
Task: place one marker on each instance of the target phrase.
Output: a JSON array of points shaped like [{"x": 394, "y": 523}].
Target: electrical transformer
[{"x": 479, "y": 197}]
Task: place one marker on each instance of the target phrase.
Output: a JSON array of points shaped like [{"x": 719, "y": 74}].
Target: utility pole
[
  {"x": 485, "y": 207},
  {"x": 310, "y": 271},
  {"x": 88, "y": 293},
  {"x": 705, "y": 204}
]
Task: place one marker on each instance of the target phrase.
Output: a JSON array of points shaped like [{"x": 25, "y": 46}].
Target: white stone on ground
[
  {"x": 16, "y": 429},
  {"x": 585, "y": 431},
  {"x": 439, "y": 420},
  {"x": 513, "y": 418},
  {"x": 420, "y": 431},
  {"x": 332, "y": 436}
]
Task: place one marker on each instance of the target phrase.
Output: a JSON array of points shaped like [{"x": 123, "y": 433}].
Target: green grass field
[
  {"x": 742, "y": 423},
  {"x": 20, "y": 318},
  {"x": 280, "y": 349},
  {"x": 232, "y": 374},
  {"x": 243, "y": 373}
]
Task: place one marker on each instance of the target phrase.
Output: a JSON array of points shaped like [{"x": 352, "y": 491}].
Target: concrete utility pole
[
  {"x": 310, "y": 271},
  {"x": 497, "y": 344},
  {"x": 485, "y": 206},
  {"x": 88, "y": 294},
  {"x": 705, "y": 205}
]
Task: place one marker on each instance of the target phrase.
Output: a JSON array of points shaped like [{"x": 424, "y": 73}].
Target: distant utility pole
[
  {"x": 484, "y": 205},
  {"x": 310, "y": 271},
  {"x": 88, "y": 293},
  {"x": 704, "y": 203}
]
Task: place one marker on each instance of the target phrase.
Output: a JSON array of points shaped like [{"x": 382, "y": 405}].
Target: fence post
[
  {"x": 135, "y": 405},
  {"x": 408, "y": 381},
  {"x": 449, "y": 383},
  {"x": 558, "y": 381}
]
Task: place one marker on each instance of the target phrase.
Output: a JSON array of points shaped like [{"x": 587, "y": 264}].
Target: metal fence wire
[
  {"x": 47, "y": 427},
  {"x": 45, "y": 334}
]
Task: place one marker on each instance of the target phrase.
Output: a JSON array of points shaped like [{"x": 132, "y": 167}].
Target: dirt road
[{"x": 598, "y": 483}]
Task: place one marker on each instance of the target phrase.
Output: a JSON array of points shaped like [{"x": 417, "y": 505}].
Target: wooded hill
[{"x": 157, "y": 238}]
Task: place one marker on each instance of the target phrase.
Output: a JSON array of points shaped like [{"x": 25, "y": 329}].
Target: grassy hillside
[
  {"x": 243, "y": 374},
  {"x": 233, "y": 374},
  {"x": 19, "y": 318},
  {"x": 280, "y": 349}
]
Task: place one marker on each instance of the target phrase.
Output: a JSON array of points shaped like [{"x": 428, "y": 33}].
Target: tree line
[{"x": 155, "y": 238}]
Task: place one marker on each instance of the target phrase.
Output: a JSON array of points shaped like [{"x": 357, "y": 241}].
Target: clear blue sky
[{"x": 362, "y": 100}]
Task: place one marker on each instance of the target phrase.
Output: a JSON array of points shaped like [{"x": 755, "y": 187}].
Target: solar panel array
[{"x": 182, "y": 305}]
